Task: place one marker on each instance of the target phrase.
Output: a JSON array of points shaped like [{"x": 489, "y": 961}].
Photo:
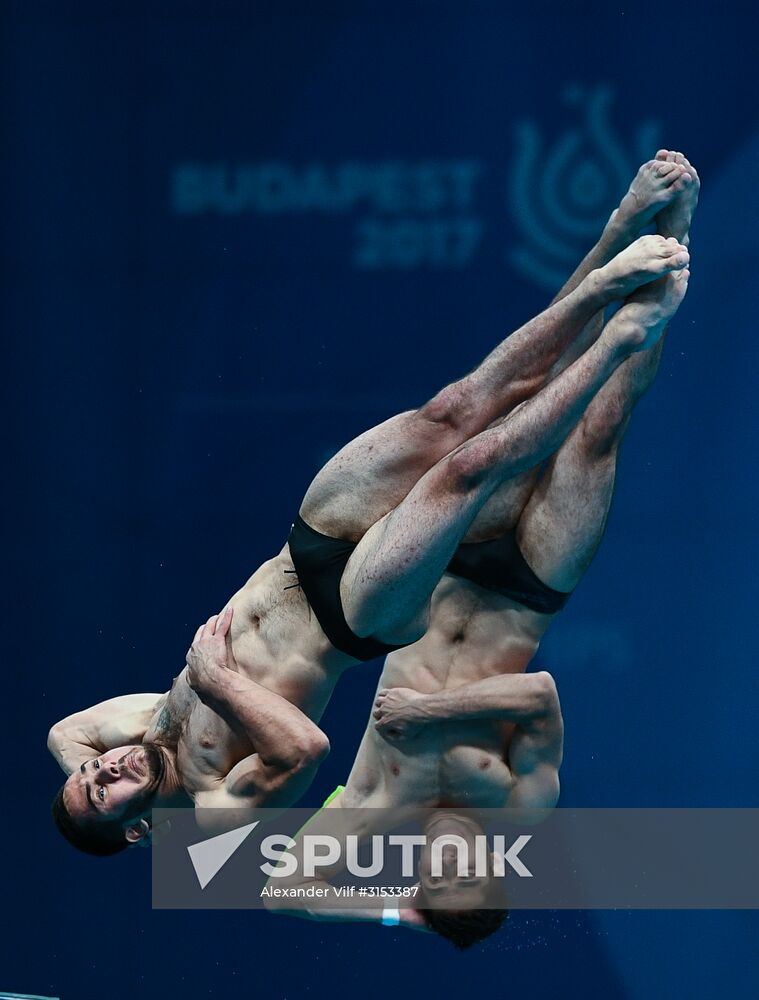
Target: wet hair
[
  {"x": 463, "y": 928},
  {"x": 101, "y": 838}
]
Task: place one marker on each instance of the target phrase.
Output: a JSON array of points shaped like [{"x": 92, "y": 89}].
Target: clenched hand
[
  {"x": 210, "y": 654},
  {"x": 399, "y": 713}
]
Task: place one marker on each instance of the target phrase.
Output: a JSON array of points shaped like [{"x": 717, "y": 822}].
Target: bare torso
[
  {"x": 474, "y": 633},
  {"x": 278, "y": 643}
]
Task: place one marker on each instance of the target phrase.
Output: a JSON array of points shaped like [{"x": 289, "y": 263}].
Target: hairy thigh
[
  {"x": 375, "y": 471},
  {"x": 389, "y": 579},
  {"x": 376, "y": 593},
  {"x": 501, "y": 513},
  {"x": 563, "y": 523}
]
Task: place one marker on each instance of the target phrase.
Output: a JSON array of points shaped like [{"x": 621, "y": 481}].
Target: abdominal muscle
[
  {"x": 473, "y": 634},
  {"x": 277, "y": 643}
]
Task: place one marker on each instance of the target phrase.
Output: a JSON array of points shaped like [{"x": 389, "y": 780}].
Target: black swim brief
[
  {"x": 319, "y": 562},
  {"x": 498, "y": 565}
]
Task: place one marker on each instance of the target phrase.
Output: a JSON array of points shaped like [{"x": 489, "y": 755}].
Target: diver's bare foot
[
  {"x": 674, "y": 218},
  {"x": 654, "y": 186},
  {"x": 645, "y": 260},
  {"x": 644, "y": 316}
]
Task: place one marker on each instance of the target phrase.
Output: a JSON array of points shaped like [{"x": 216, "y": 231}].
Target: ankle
[
  {"x": 623, "y": 338},
  {"x": 620, "y": 231},
  {"x": 596, "y": 289}
]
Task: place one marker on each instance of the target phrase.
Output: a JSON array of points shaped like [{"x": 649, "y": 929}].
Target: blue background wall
[{"x": 176, "y": 374}]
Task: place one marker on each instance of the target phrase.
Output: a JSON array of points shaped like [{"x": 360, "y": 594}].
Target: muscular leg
[
  {"x": 657, "y": 192},
  {"x": 562, "y": 524},
  {"x": 390, "y": 576},
  {"x": 373, "y": 473}
]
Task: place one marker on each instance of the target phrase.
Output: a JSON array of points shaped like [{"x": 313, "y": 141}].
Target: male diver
[
  {"x": 456, "y": 723},
  {"x": 378, "y": 527}
]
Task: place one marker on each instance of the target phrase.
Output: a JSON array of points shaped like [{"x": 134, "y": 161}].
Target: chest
[
  {"x": 207, "y": 745},
  {"x": 453, "y": 764},
  {"x": 208, "y": 748},
  {"x": 474, "y": 776}
]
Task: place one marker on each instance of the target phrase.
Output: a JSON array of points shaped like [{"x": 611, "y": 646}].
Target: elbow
[
  {"x": 317, "y": 747},
  {"x": 311, "y": 750},
  {"x": 545, "y": 692}
]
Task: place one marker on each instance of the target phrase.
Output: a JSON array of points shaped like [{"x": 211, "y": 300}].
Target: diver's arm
[
  {"x": 530, "y": 701},
  {"x": 535, "y": 754},
  {"x": 407, "y": 917},
  {"x": 121, "y": 721},
  {"x": 524, "y": 699},
  {"x": 288, "y": 746},
  {"x": 285, "y": 739},
  {"x": 282, "y": 897},
  {"x": 285, "y": 894}
]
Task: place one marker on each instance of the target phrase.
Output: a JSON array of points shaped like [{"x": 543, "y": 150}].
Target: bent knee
[
  {"x": 469, "y": 466},
  {"x": 602, "y": 429},
  {"x": 451, "y": 408},
  {"x": 389, "y": 621},
  {"x": 406, "y": 632}
]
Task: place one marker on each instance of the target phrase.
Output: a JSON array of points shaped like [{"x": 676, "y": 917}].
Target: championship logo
[{"x": 561, "y": 198}]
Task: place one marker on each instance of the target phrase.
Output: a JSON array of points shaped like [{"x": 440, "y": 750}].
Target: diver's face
[
  {"x": 447, "y": 889},
  {"x": 116, "y": 784}
]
